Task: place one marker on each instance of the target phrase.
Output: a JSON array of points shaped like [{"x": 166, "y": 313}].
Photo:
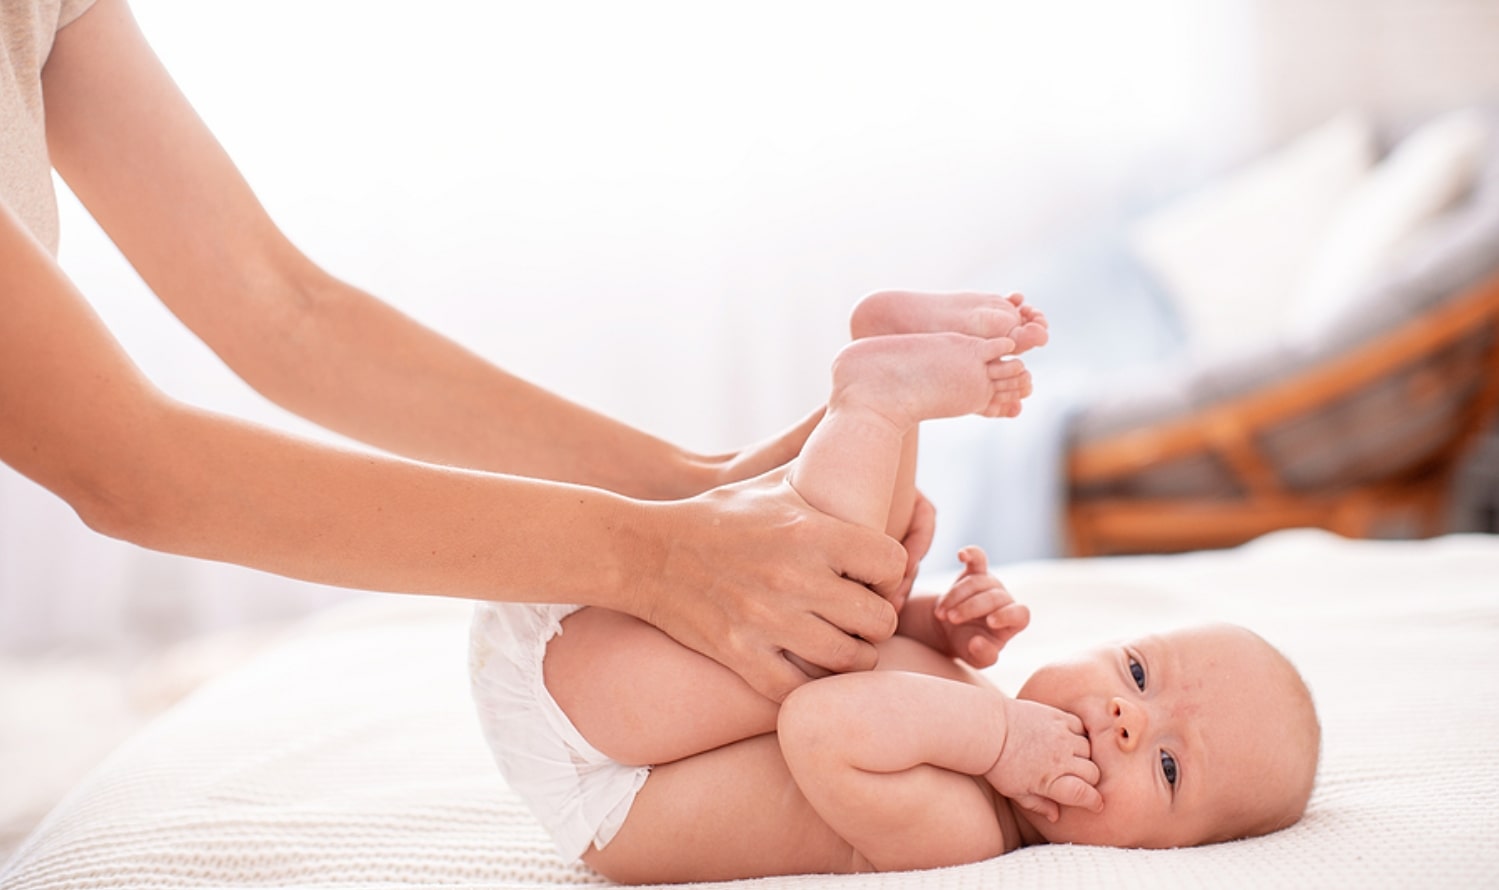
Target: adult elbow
[
  {"x": 123, "y": 489},
  {"x": 112, "y": 509},
  {"x": 115, "y": 504}
]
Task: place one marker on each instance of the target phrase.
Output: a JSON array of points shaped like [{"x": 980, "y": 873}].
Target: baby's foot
[
  {"x": 974, "y": 314},
  {"x": 908, "y": 378}
]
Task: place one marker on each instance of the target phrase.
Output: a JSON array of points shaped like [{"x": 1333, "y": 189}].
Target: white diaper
[{"x": 580, "y": 796}]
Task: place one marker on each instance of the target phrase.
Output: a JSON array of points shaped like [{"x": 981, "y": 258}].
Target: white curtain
[{"x": 663, "y": 210}]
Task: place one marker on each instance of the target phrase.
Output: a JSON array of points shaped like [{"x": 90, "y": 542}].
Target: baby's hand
[
  {"x": 977, "y": 615},
  {"x": 1044, "y": 764}
]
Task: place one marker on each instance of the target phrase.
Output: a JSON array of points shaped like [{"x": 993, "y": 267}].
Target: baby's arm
[
  {"x": 972, "y": 621},
  {"x": 887, "y": 760}
]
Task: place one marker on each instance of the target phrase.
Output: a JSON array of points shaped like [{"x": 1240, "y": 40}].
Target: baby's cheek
[{"x": 1118, "y": 825}]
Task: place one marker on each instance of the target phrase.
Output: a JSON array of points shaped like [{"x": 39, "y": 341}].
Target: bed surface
[{"x": 347, "y": 755}]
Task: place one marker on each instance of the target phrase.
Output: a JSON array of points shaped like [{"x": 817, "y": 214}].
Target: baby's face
[{"x": 1199, "y": 735}]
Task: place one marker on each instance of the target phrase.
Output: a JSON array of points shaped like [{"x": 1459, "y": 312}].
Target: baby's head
[{"x": 1200, "y": 735}]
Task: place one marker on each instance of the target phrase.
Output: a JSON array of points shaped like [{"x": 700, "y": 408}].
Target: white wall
[{"x": 663, "y": 210}]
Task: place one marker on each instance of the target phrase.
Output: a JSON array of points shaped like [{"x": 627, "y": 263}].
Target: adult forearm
[
  {"x": 133, "y": 149},
  {"x": 358, "y": 366},
  {"x": 199, "y": 484}
]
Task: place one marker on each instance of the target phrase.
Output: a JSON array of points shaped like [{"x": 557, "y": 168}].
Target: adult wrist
[{"x": 646, "y": 533}]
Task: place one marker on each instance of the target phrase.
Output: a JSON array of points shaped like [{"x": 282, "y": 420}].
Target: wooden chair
[{"x": 1439, "y": 371}]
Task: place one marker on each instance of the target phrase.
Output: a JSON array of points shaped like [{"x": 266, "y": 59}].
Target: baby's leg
[
  {"x": 975, "y": 314},
  {"x": 882, "y": 388},
  {"x": 641, "y": 697},
  {"x": 724, "y": 814}
]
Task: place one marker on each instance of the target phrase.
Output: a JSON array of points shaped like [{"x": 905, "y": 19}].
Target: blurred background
[{"x": 665, "y": 211}]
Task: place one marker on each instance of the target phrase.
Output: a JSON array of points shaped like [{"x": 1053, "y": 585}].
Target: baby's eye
[
  {"x": 1138, "y": 672},
  {"x": 1168, "y": 767}
]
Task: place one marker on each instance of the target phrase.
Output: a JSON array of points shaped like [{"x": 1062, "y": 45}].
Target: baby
[{"x": 654, "y": 763}]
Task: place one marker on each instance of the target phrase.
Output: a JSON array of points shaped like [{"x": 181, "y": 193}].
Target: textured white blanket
[{"x": 348, "y": 756}]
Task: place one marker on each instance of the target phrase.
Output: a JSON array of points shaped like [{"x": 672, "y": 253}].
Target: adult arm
[
  {"x": 80, "y": 419},
  {"x": 135, "y": 152},
  {"x": 740, "y": 574},
  {"x": 888, "y": 759}
]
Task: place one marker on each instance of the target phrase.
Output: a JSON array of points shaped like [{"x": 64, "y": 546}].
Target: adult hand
[
  {"x": 752, "y": 574},
  {"x": 917, "y": 543},
  {"x": 762, "y": 457}
]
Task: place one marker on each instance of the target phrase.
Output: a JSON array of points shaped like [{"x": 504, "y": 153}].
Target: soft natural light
[
  {"x": 662, "y": 210},
  {"x": 657, "y": 183}
]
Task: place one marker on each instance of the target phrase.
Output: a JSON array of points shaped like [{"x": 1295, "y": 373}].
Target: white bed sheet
[{"x": 348, "y": 756}]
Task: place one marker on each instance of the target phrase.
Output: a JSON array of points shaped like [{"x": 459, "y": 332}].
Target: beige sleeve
[{"x": 71, "y": 10}]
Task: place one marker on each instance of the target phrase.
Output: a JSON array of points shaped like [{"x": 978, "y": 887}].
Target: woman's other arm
[
  {"x": 741, "y": 574},
  {"x": 80, "y": 419},
  {"x": 143, "y": 163}
]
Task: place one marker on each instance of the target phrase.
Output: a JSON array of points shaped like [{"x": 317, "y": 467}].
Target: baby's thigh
[
  {"x": 732, "y": 812},
  {"x": 641, "y": 697}
]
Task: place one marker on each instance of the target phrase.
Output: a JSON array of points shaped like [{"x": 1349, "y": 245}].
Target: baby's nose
[{"x": 1130, "y": 722}]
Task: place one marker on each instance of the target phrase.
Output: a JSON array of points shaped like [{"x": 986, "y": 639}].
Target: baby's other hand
[
  {"x": 1045, "y": 762},
  {"x": 978, "y": 615}
]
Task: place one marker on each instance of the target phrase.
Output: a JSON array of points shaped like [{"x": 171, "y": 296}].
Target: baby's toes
[
  {"x": 1029, "y": 336},
  {"x": 1002, "y": 405},
  {"x": 992, "y": 320},
  {"x": 1018, "y": 385},
  {"x": 1002, "y": 371}
]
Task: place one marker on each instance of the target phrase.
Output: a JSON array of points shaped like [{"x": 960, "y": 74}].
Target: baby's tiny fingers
[
  {"x": 1042, "y": 807},
  {"x": 1011, "y": 615},
  {"x": 982, "y": 652},
  {"x": 1074, "y": 792},
  {"x": 965, "y": 589},
  {"x": 974, "y": 608}
]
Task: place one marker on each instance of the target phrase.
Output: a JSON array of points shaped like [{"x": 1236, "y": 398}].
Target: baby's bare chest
[{"x": 902, "y": 654}]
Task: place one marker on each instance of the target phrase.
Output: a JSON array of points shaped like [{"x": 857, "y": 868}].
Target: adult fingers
[
  {"x": 873, "y": 559},
  {"x": 851, "y": 608},
  {"x": 770, "y": 674},
  {"x": 818, "y": 650},
  {"x": 919, "y": 534},
  {"x": 826, "y": 646}
]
